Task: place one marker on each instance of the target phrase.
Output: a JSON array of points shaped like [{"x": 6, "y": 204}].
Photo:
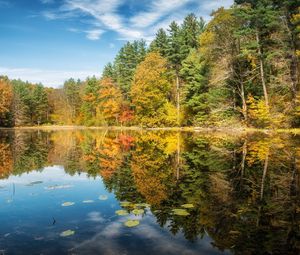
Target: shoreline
[{"x": 177, "y": 129}]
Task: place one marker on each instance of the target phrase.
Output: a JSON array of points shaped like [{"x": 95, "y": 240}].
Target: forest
[
  {"x": 240, "y": 69},
  {"x": 245, "y": 189}
]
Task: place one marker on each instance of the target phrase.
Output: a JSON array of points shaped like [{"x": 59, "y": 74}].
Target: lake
[{"x": 149, "y": 192}]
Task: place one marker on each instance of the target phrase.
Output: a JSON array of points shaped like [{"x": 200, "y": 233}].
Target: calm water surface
[{"x": 236, "y": 194}]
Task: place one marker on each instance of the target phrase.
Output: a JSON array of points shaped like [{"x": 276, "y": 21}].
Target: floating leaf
[
  {"x": 68, "y": 204},
  {"x": 35, "y": 182},
  {"x": 125, "y": 204},
  {"x": 58, "y": 187},
  {"x": 122, "y": 212},
  {"x": 141, "y": 205},
  {"x": 138, "y": 211},
  {"x": 188, "y": 206},
  {"x": 131, "y": 223},
  {"x": 67, "y": 233},
  {"x": 103, "y": 197},
  {"x": 88, "y": 201},
  {"x": 181, "y": 212}
]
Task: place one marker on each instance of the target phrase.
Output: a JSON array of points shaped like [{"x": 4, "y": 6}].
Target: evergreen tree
[
  {"x": 193, "y": 73},
  {"x": 129, "y": 56},
  {"x": 90, "y": 101},
  {"x": 72, "y": 91},
  {"x": 160, "y": 43},
  {"x": 109, "y": 71},
  {"x": 190, "y": 32},
  {"x": 39, "y": 105}
]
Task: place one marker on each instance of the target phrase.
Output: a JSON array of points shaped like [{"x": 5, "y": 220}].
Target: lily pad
[
  {"x": 88, "y": 201},
  {"x": 138, "y": 211},
  {"x": 67, "y": 233},
  {"x": 188, "y": 206},
  {"x": 103, "y": 197},
  {"x": 36, "y": 182},
  {"x": 67, "y": 204},
  {"x": 139, "y": 205},
  {"x": 181, "y": 212},
  {"x": 131, "y": 223},
  {"x": 122, "y": 212},
  {"x": 58, "y": 187},
  {"x": 125, "y": 204}
]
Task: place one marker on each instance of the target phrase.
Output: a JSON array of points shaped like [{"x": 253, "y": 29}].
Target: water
[{"x": 243, "y": 190}]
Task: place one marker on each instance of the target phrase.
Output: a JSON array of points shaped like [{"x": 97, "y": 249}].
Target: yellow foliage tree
[
  {"x": 110, "y": 97},
  {"x": 6, "y": 96},
  {"x": 259, "y": 113},
  {"x": 150, "y": 91}
]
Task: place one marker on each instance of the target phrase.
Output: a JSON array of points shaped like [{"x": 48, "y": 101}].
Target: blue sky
[{"x": 50, "y": 41}]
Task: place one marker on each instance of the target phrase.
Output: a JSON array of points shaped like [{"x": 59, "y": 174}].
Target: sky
[{"x": 49, "y": 41}]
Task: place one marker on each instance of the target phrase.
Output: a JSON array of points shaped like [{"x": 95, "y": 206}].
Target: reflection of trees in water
[
  {"x": 6, "y": 156},
  {"x": 245, "y": 190}
]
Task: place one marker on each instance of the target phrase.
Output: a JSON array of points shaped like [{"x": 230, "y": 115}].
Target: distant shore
[{"x": 136, "y": 128}]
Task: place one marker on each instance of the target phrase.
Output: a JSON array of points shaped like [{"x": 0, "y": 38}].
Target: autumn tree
[
  {"x": 110, "y": 101},
  {"x": 150, "y": 92},
  {"x": 6, "y": 96}
]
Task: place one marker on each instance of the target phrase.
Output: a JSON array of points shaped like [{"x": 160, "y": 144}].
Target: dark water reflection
[{"x": 244, "y": 190}]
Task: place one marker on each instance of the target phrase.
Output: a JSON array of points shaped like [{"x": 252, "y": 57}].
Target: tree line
[{"x": 239, "y": 69}]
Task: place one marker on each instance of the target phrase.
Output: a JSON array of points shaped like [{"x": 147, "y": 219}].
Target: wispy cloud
[
  {"x": 51, "y": 78},
  {"x": 106, "y": 15},
  {"x": 47, "y": 1},
  {"x": 157, "y": 10},
  {"x": 94, "y": 34}
]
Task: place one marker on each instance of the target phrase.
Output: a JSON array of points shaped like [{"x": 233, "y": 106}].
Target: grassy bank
[{"x": 184, "y": 129}]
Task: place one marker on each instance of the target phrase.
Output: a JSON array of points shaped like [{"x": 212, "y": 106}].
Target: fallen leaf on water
[
  {"x": 103, "y": 197},
  {"x": 67, "y": 204},
  {"x": 181, "y": 212},
  {"x": 88, "y": 201},
  {"x": 34, "y": 183},
  {"x": 188, "y": 206},
  {"x": 131, "y": 223},
  {"x": 67, "y": 233},
  {"x": 58, "y": 187}
]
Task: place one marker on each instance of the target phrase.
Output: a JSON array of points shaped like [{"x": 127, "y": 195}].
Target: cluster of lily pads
[
  {"x": 139, "y": 209},
  {"x": 136, "y": 209},
  {"x": 70, "y": 232}
]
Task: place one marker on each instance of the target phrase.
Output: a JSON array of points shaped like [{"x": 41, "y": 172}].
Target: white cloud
[
  {"x": 105, "y": 15},
  {"x": 94, "y": 34},
  {"x": 51, "y": 78},
  {"x": 95, "y": 217},
  {"x": 157, "y": 10}
]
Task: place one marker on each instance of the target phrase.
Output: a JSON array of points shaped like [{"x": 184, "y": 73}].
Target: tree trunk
[
  {"x": 294, "y": 64},
  {"x": 245, "y": 145},
  {"x": 178, "y": 99},
  {"x": 262, "y": 71},
  {"x": 244, "y": 107},
  {"x": 178, "y": 157},
  {"x": 264, "y": 176}
]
